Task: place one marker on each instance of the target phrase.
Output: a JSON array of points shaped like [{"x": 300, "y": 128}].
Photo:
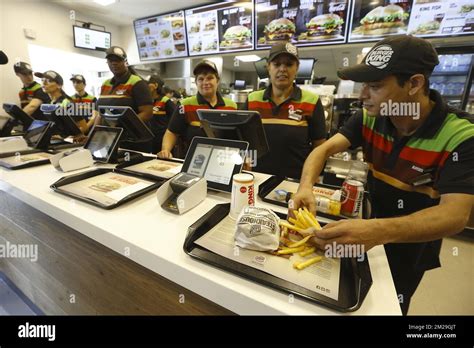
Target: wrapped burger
[{"x": 257, "y": 229}]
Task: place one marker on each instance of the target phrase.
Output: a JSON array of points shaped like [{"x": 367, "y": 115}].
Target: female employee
[
  {"x": 126, "y": 89},
  {"x": 163, "y": 109},
  {"x": 185, "y": 121},
  {"x": 53, "y": 86},
  {"x": 293, "y": 118}
]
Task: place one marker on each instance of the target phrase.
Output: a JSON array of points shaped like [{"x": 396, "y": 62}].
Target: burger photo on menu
[
  {"x": 278, "y": 30},
  {"x": 178, "y": 36},
  {"x": 196, "y": 27},
  {"x": 211, "y": 46},
  {"x": 210, "y": 25},
  {"x": 324, "y": 26},
  {"x": 383, "y": 20},
  {"x": 177, "y": 23},
  {"x": 180, "y": 47},
  {"x": 238, "y": 36},
  {"x": 197, "y": 47},
  {"x": 430, "y": 27}
]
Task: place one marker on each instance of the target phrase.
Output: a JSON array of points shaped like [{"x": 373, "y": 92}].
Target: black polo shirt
[
  {"x": 400, "y": 165},
  {"x": 27, "y": 95}
]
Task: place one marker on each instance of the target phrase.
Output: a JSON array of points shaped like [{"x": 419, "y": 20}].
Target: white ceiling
[{"x": 123, "y": 12}]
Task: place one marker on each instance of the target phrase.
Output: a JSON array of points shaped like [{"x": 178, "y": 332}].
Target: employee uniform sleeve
[
  {"x": 169, "y": 108},
  {"x": 178, "y": 123},
  {"x": 457, "y": 175},
  {"x": 141, "y": 94},
  {"x": 352, "y": 129},
  {"x": 40, "y": 94},
  {"x": 317, "y": 123}
]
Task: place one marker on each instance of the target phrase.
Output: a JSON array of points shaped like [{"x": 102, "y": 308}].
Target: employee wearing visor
[
  {"x": 31, "y": 94},
  {"x": 53, "y": 86},
  {"x": 293, "y": 118},
  {"x": 421, "y": 162},
  {"x": 185, "y": 121},
  {"x": 126, "y": 89},
  {"x": 163, "y": 109}
]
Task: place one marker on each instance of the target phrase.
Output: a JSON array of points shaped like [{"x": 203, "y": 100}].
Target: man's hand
[
  {"x": 368, "y": 233},
  {"x": 165, "y": 154},
  {"x": 303, "y": 198}
]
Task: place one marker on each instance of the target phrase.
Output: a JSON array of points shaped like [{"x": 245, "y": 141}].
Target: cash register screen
[
  {"x": 216, "y": 160},
  {"x": 102, "y": 142}
]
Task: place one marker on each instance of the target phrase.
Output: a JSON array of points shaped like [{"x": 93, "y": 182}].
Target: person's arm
[
  {"x": 145, "y": 112},
  {"x": 32, "y": 106},
  {"x": 313, "y": 166},
  {"x": 167, "y": 145},
  {"x": 443, "y": 220}
]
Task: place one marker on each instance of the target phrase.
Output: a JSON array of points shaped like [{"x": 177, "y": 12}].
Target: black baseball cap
[
  {"x": 78, "y": 78},
  {"x": 284, "y": 48},
  {"x": 117, "y": 52},
  {"x": 51, "y": 75},
  {"x": 3, "y": 58},
  {"x": 399, "y": 54},
  {"x": 156, "y": 80},
  {"x": 205, "y": 64},
  {"x": 22, "y": 68}
]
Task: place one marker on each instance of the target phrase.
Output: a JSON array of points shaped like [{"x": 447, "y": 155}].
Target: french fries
[
  {"x": 302, "y": 221},
  {"x": 307, "y": 263}
]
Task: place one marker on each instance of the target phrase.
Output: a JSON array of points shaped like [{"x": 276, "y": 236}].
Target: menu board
[
  {"x": 220, "y": 28},
  {"x": 161, "y": 37},
  {"x": 441, "y": 18},
  {"x": 374, "y": 20},
  {"x": 302, "y": 22}
]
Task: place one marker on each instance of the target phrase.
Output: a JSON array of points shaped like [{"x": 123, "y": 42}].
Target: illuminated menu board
[
  {"x": 161, "y": 37},
  {"x": 302, "y": 22},
  {"x": 441, "y": 18},
  {"x": 220, "y": 28}
]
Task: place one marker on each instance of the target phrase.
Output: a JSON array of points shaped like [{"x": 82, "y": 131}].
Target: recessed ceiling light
[{"x": 104, "y": 2}]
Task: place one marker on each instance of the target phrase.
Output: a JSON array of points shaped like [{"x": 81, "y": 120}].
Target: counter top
[{"x": 154, "y": 238}]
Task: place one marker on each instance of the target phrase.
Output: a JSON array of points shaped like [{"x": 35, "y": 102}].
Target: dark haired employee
[
  {"x": 293, "y": 118},
  {"x": 53, "y": 86},
  {"x": 126, "y": 89},
  {"x": 31, "y": 94},
  {"x": 84, "y": 101},
  {"x": 163, "y": 109},
  {"x": 185, "y": 121},
  {"x": 421, "y": 162}
]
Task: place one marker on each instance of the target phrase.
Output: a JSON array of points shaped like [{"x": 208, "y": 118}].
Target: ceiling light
[
  {"x": 104, "y": 2},
  {"x": 248, "y": 58}
]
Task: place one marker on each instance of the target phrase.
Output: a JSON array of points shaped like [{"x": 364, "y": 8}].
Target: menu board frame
[
  {"x": 219, "y": 50},
  {"x": 150, "y": 59},
  {"x": 309, "y": 43}
]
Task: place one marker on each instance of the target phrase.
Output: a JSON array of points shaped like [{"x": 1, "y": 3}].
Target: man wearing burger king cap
[
  {"x": 293, "y": 118},
  {"x": 421, "y": 160}
]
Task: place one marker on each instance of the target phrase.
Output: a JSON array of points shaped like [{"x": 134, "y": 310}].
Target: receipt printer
[
  {"x": 13, "y": 144},
  {"x": 72, "y": 160},
  {"x": 182, "y": 192}
]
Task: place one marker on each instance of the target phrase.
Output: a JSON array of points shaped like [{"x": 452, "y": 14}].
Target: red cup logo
[{"x": 243, "y": 189}]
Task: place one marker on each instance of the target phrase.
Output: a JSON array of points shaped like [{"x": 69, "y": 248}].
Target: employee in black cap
[
  {"x": 126, "y": 89},
  {"x": 53, "y": 86},
  {"x": 293, "y": 118},
  {"x": 85, "y": 102},
  {"x": 421, "y": 160},
  {"x": 31, "y": 95},
  {"x": 185, "y": 121},
  {"x": 163, "y": 109}
]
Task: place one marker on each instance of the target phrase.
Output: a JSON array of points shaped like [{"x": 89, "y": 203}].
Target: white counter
[{"x": 154, "y": 238}]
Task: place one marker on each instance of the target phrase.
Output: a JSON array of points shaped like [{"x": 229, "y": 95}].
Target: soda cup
[
  {"x": 243, "y": 193},
  {"x": 352, "y": 195}
]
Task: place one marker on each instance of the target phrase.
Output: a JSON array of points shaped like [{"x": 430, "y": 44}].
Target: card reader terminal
[{"x": 179, "y": 183}]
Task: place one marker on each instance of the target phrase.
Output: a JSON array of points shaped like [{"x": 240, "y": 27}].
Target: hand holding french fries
[{"x": 303, "y": 223}]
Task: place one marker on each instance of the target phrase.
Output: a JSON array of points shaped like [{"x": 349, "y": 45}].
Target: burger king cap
[
  {"x": 156, "y": 80},
  {"x": 78, "y": 78},
  {"x": 205, "y": 64},
  {"x": 116, "y": 51},
  {"x": 3, "y": 58},
  {"x": 284, "y": 48},
  {"x": 399, "y": 54},
  {"x": 22, "y": 68},
  {"x": 51, "y": 75}
]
